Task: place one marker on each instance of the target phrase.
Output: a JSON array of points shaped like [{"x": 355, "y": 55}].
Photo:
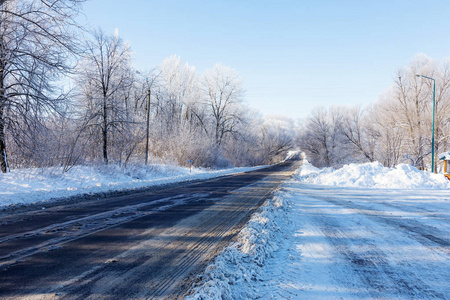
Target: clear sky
[{"x": 292, "y": 55}]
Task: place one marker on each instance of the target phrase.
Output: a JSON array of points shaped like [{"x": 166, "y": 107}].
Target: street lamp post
[{"x": 434, "y": 110}]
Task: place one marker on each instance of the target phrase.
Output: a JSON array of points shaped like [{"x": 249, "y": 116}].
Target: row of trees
[
  {"x": 198, "y": 118},
  {"x": 193, "y": 118},
  {"x": 396, "y": 129}
]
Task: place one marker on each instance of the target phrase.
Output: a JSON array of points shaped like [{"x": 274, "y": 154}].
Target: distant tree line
[
  {"x": 396, "y": 129},
  {"x": 193, "y": 118},
  {"x": 198, "y": 119}
]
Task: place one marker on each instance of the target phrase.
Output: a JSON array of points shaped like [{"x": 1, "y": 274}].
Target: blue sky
[{"x": 292, "y": 55}]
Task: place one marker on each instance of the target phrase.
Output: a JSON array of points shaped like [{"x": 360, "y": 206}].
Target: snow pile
[
  {"x": 291, "y": 154},
  {"x": 240, "y": 264},
  {"x": 372, "y": 175},
  {"x": 24, "y": 186},
  {"x": 307, "y": 169}
]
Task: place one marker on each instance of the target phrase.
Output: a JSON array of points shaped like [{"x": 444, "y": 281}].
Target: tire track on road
[
  {"x": 416, "y": 230},
  {"x": 206, "y": 242},
  {"x": 368, "y": 261},
  {"x": 54, "y": 236}
]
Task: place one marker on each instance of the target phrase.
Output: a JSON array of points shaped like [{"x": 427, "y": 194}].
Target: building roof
[{"x": 444, "y": 156}]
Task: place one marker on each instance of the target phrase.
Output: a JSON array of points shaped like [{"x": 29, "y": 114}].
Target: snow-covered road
[
  {"x": 355, "y": 243},
  {"x": 323, "y": 242}
]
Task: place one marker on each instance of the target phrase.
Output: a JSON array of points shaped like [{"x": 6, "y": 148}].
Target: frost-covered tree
[
  {"x": 389, "y": 138},
  {"x": 359, "y": 133},
  {"x": 322, "y": 139},
  {"x": 179, "y": 91},
  {"x": 37, "y": 41},
  {"x": 106, "y": 79},
  {"x": 407, "y": 108},
  {"x": 224, "y": 96},
  {"x": 179, "y": 131},
  {"x": 396, "y": 129},
  {"x": 276, "y": 138}
]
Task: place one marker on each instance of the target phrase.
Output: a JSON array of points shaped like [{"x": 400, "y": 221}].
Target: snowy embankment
[
  {"x": 286, "y": 252},
  {"x": 25, "y": 186},
  {"x": 234, "y": 273}
]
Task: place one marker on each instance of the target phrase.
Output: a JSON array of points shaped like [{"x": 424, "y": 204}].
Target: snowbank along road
[{"x": 142, "y": 245}]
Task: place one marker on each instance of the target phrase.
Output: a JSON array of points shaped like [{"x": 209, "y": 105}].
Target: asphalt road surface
[{"x": 147, "y": 245}]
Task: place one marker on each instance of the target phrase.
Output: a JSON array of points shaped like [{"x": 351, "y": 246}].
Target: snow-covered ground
[
  {"x": 363, "y": 231},
  {"x": 25, "y": 186}
]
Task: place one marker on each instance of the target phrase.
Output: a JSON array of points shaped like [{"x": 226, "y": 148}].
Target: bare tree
[
  {"x": 276, "y": 138},
  {"x": 106, "y": 79},
  {"x": 359, "y": 132},
  {"x": 179, "y": 130},
  {"x": 179, "y": 92},
  {"x": 407, "y": 109},
  {"x": 322, "y": 138},
  {"x": 224, "y": 94},
  {"x": 36, "y": 42},
  {"x": 384, "y": 129}
]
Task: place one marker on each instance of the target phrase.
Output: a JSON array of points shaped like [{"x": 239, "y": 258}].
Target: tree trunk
[
  {"x": 3, "y": 157},
  {"x": 105, "y": 133}
]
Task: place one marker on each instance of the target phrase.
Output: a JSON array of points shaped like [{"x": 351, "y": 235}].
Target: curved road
[{"x": 138, "y": 246}]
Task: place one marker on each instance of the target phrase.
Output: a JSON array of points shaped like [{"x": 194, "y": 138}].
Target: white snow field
[
  {"x": 25, "y": 186},
  {"x": 360, "y": 232}
]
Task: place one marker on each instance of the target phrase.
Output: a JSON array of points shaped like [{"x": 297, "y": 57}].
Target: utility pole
[
  {"x": 148, "y": 126},
  {"x": 433, "y": 167}
]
